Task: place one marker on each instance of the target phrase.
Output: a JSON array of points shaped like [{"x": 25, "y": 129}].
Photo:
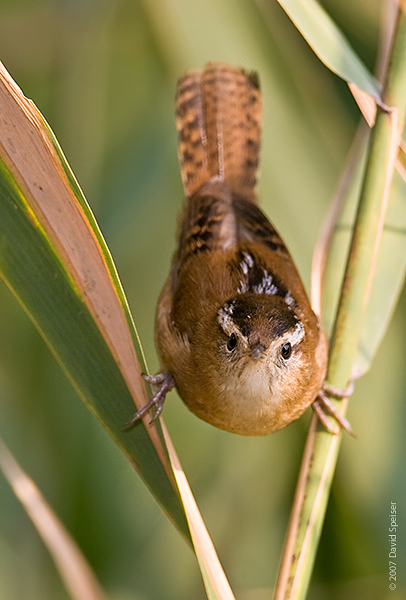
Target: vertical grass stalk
[{"x": 321, "y": 452}]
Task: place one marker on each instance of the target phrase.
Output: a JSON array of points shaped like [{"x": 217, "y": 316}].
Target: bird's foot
[{"x": 161, "y": 384}]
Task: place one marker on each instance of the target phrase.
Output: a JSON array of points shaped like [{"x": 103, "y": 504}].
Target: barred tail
[{"x": 219, "y": 120}]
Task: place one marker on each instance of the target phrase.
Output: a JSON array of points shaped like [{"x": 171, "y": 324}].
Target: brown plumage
[
  {"x": 218, "y": 117},
  {"x": 234, "y": 329}
]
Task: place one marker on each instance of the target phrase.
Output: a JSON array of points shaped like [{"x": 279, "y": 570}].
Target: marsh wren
[{"x": 234, "y": 329}]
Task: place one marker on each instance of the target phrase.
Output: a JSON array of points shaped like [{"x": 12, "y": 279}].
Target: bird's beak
[{"x": 257, "y": 350}]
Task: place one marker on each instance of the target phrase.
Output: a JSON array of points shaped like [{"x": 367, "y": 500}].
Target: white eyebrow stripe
[
  {"x": 298, "y": 334},
  {"x": 225, "y": 319}
]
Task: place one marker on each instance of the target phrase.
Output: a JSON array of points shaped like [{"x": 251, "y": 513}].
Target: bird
[{"x": 234, "y": 329}]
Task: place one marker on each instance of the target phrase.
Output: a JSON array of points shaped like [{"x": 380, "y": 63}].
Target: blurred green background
[{"x": 103, "y": 73}]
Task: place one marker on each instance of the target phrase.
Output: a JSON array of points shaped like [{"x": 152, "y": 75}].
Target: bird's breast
[{"x": 248, "y": 402}]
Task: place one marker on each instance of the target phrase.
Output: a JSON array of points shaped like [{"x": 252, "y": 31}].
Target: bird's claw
[
  {"x": 161, "y": 384},
  {"x": 323, "y": 403}
]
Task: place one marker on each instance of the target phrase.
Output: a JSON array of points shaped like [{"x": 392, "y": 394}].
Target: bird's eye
[
  {"x": 286, "y": 350},
  {"x": 232, "y": 342}
]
